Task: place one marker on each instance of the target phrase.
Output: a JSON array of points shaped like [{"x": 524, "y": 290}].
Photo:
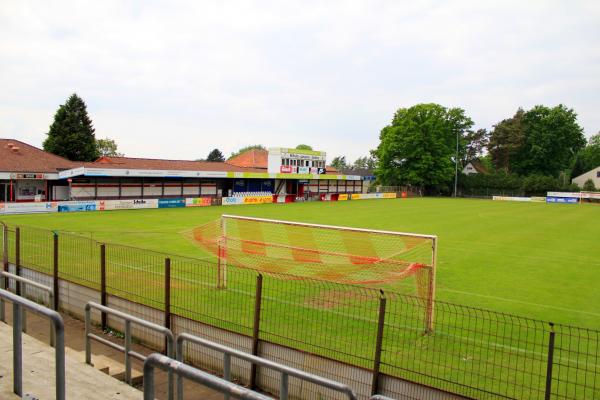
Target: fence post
[
  {"x": 55, "y": 274},
  {"x": 378, "y": 345},
  {"x": 5, "y": 252},
  {"x": 256, "y": 328},
  {"x": 103, "y": 282},
  {"x": 18, "y": 258},
  {"x": 548, "y": 392},
  {"x": 167, "y": 297}
]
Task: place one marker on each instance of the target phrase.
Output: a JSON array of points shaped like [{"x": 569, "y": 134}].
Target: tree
[
  {"x": 71, "y": 135},
  {"x": 303, "y": 147},
  {"x": 476, "y": 142},
  {"x": 552, "y": 140},
  {"x": 364, "y": 163},
  {"x": 245, "y": 149},
  {"x": 339, "y": 163},
  {"x": 419, "y": 146},
  {"x": 215, "y": 155},
  {"x": 107, "y": 147},
  {"x": 588, "y": 158},
  {"x": 506, "y": 140},
  {"x": 589, "y": 186}
]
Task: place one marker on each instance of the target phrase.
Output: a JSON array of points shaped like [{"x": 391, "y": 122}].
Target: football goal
[{"x": 333, "y": 253}]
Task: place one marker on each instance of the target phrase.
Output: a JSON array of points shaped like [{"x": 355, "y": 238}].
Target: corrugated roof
[{"x": 16, "y": 156}]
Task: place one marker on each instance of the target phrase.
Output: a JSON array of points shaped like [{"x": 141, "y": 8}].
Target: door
[{"x": 3, "y": 192}]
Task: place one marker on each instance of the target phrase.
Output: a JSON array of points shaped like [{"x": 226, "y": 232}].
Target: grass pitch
[{"x": 533, "y": 259}]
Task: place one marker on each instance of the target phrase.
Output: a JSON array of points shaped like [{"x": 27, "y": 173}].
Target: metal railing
[
  {"x": 29, "y": 282},
  {"x": 285, "y": 371},
  {"x": 185, "y": 371},
  {"x": 129, "y": 319},
  {"x": 59, "y": 348}
]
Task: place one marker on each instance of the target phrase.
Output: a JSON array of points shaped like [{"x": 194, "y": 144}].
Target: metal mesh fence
[{"x": 470, "y": 352}]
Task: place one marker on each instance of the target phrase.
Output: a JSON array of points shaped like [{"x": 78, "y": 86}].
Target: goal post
[{"x": 339, "y": 254}]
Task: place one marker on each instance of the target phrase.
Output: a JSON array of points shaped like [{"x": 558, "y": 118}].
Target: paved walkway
[{"x": 41, "y": 357}]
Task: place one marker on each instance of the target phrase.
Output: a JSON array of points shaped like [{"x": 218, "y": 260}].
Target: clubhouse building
[{"x": 28, "y": 174}]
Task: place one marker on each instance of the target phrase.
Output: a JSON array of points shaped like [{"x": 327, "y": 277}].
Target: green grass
[{"x": 532, "y": 259}]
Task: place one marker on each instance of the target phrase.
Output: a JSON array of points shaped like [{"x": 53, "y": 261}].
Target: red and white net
[{"x": 339, "y": 254}]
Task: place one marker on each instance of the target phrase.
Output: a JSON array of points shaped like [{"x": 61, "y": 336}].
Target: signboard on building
[{"x": 295, "y": 161}]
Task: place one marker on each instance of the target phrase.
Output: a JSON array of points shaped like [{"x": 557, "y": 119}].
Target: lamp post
[{"x": 456, "y": 166}]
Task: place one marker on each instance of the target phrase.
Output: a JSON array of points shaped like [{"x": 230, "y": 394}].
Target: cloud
[{"x": 176, "y": 79}]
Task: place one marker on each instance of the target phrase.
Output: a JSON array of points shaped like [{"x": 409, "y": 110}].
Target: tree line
[{"x": 537, "y": 149}]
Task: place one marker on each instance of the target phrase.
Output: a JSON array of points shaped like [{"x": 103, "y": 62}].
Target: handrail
[
  {"x": 59, "y": 348},
  {"x": 127, "y": 348},
  {"x": 185, "y": 371},
  {"x": 25, "y": 281},
  {"x": 285, "y": 371}
]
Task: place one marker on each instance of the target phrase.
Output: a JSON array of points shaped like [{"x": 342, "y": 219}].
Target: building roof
[
  {"x": 16, "y": 156},
  {"x": 254, "y": 158},
  {"x": 479, "y": 167},
  {"x": 356, "y": 171},
  {"x": 159, "y": 164}
]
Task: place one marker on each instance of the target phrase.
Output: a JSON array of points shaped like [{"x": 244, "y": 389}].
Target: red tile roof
[
  {"x": 16, "y": 156},
  {"x": 174, "y": 165},
  {"x": 255, "y": 158}
]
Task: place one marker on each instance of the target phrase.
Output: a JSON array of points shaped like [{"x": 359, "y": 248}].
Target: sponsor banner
[
  {"x": 72, "y": 206},
  {"x": 511, "y": 198},
  {"x": 233, "y": 201},
  {"x": 285, "y": 169},
  {"x": 342, "y": 197},
  {"x": 564, "y": 194},
  {"x": 171, "y": 203},
  {"x": 538, "y": 199},
  {"x": 564, "y": 200},
  {"x": 369, "y": 196},
  {"x": 303, "y": 170},
  {"x": 105, "y": 205},
  {"x": 590, "y": 195},
  {"x": 19, "y": 208},
  {"x": 198, "y": 202}
]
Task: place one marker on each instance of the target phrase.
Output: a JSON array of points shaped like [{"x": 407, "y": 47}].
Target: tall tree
[
  {"x": 107, "y": 147},
  {"x": 339, "y": 162},
  {"x": 506, "y": 140},
  {"x": 419, "y": 146},
  {"x": 246, "y": 148},
  {"x": 475, "y": 144},
  {"x": 303, "y": 147},
  {"x": 552, "y": 140},
  {"x": 71, "y": 135},
  {"x": 364, "y": 163},
  {"x": 215, "y": 155}
]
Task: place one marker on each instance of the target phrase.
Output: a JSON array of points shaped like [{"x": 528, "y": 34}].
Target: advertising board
[
  {"x": 73, "y": 206},
  {"x": 22, "y": 208},
  {"x": 563, "y": 200},
  {"x": 198, "y": 202},
  {"x": 370, "y": 196},
  {"x": 511, "y": 198},
  {"x": 343, "y": 197},
  {"x": 236, "y": 201},
  {"x": 171, "y": 203},
  {"x": 105, "y": 205}
]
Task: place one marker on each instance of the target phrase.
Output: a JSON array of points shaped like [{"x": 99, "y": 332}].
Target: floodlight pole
[{"x": 456, "y": 166}]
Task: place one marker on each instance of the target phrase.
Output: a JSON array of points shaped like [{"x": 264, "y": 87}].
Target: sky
[{"x": 175, "y": 79}]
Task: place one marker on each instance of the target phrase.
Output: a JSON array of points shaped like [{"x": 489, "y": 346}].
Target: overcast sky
[{"x": 174, "y": 79}]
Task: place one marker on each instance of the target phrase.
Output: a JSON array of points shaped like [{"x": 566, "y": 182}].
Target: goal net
[{"x": 333, "y": 253}]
